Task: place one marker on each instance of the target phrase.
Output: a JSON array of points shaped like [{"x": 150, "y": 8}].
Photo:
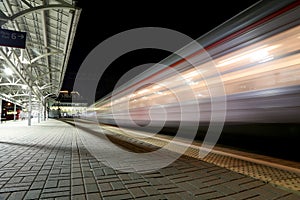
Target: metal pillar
[
  {"x": 42, "y": 111},
  {"x": 15, "y": 111},
  {"x": 39, "y": 113},
  {"x": 45, "y": 110},
  {"x": 0, "y": 110},
  {"x": 29, "y": 109}
]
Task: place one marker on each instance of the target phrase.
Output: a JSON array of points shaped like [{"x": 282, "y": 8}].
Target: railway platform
[{"x": 48, "y": 160}]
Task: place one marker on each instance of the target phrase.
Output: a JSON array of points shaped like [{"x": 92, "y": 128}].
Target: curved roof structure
[{"x": 38, "y": 69}]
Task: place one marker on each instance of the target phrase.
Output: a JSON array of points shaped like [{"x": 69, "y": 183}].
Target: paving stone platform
[{"x": 49, "y": 161}]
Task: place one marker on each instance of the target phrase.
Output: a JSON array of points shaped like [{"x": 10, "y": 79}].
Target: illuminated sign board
[{"x": 12, "y": 38}]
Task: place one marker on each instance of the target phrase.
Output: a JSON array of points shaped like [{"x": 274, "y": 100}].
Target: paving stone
[
  {"x": 289, "y": 197},
  {"x": 93, "y": 196},
  {"x": 78, "y": 197},
  {"x": 124, "y": 176},
  {"x": 223, "y": 190},
  {"x": 4, "y": 195},
  {"x": 8, "y": 175},
  {"x": 17, "y": 185},
  {"x": 91, "y": 188},
  {"x": 33, "y": 194},
  {"x": 108, "y": 171},
  {"x": 51, "y": 184},
  {"x": 186, "y": 195},
  {"x": 56, "y": 194},
  {"x": 117, "y": 185},
  {"x": 64, "y": 183},
  {"x": 118, "y": 197},
  {"x": 41, "y": 178},
  {"x": 15, "y": 180},
  {"x": 62, "y": 198},
  {"x": 28, "y": 179},
  {"x": 157, "y": 197},
  {"x": 105, "y": 187},
  {"x": 171, "y": 190},
  {"x": 149, "y": 190},
  {"x": 37, "y": 185},
  {"x": 76, "y": 175},
  {"x": 77, "y": 181},
  {"x": 186, "y": 186},
  {"x": 54, "y": 190},
  {"x": 44, "y": 172},
  {"x": 137, "y": 192},
  {"x": 13, "y": 189},
  {"x": 114, "y": 193},
  {"x": 78, "y": 189},
  {"x": 98, "y": 172},
  {"x": 107, "y": 179},
  {"x": 17, "y": 195},
  {"x": 139, "y": 184},
  {"x": 245, "y": 195},
  {"x": 87, "y": 174}
]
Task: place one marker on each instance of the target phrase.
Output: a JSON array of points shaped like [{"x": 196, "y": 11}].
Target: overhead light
[
  {"x": 24, "y": 60},
  {"x": 8, "y": 71}
]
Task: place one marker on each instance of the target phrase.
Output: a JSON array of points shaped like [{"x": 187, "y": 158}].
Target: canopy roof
[{"x": 50, "y": 27}]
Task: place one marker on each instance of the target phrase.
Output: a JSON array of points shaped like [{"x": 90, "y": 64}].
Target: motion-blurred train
[{"x": 254, "y": 63}]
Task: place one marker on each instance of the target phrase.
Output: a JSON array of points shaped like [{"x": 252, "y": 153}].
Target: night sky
[{"x": 99, "y": 21}]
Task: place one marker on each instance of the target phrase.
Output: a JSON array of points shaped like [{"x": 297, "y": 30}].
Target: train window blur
[{"x": 260, "y": 60}]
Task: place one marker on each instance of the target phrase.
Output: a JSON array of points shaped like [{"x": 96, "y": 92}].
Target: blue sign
[{"x": 12, "y": 38}]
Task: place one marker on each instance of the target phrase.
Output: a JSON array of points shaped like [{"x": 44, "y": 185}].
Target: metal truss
[{"x": 36, "y": 72}]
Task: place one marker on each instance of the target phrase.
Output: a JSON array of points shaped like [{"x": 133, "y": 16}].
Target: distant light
[
  {"x": 8, "y": 71},
  {"x": 64, "y": 91}
]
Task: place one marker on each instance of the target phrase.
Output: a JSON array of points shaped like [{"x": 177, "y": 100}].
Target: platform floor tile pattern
[{"x": 49, "y": 161}]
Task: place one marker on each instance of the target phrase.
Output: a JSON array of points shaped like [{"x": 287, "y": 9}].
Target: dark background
[{"x": 99, "y": 21}]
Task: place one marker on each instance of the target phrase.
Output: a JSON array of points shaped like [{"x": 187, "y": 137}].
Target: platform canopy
[{"x": 38, "y": 68}]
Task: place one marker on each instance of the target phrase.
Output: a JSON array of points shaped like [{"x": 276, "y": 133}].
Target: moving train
[{"x": 246, "y": 75}]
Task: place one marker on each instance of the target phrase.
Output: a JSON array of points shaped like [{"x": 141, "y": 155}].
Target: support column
[
  {"x": 42, "y": 111},
  {"x": 45, "y": 110},
  {"x": 0, "y": 110},
  {"x": 15, "y": 111},
  {"x": 39, "y": 113},
  {"x": 29, "y": 108}
]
